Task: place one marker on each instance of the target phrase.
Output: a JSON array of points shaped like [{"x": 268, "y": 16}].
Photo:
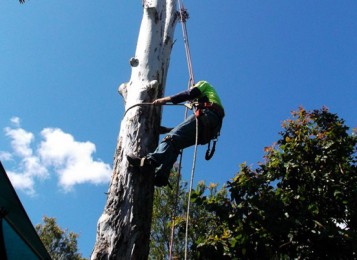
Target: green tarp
[{"x": 18, "y": 237}]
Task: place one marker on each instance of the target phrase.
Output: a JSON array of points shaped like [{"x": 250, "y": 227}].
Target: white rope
[
  {"x": 190, "y": 190},
  {"x": 191, "y": 83},
  {"x": 186, "y": 42}
]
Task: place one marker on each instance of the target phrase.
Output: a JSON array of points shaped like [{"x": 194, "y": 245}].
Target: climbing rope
[
  {"x": 190, "y": 190},
  {"x": 184, "y": 16},
  {"x": 174, "y": 209}
]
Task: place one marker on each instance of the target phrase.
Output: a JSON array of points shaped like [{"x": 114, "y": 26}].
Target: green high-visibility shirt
[
  {"x": 202, "y": 91},
  {"x": 208, "y": 91}
]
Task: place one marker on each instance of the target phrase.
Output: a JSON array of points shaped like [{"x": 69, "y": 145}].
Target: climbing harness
[{"x": 207, "y": 135}]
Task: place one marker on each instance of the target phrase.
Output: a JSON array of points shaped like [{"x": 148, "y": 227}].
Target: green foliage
[
  {"x": 210, "y": 233},
  {"x": 200, "y": 220},
  {"x": 60, "y": 244},
  {"x": 165, "y": 200},
  {"x": 300, "y": 203}
]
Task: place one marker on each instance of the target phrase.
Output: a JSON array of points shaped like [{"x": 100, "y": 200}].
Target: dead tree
[{"x": 123, "y": 230}]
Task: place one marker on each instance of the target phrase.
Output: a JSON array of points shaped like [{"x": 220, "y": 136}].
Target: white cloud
[
  {"x": 22, "y": 182},
  {"x": 28, "y": 166},
  {"x": 73, "y": 160},
  {"x": 21, "y": 141},
  {"x": 16, "y": 121},
  {"x": 33, "y": 167},
  {"x": 57, "y": 152},
  {"x": 5, "y": 156}
]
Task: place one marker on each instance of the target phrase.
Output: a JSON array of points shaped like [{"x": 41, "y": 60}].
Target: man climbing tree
[
  {"x": 209, "y": 113},
  {"x": 123, "y": 230}
]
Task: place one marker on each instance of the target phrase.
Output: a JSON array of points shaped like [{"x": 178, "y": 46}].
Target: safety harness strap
[
  {"x": 209, "y": 152},
  {"x": 208, "y": 105}
]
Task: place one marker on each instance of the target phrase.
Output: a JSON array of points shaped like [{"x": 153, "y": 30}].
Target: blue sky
[{"x": 61, "y": 63}]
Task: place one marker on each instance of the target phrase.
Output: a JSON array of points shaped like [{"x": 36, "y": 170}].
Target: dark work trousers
[{"x": 183, "y": 136}]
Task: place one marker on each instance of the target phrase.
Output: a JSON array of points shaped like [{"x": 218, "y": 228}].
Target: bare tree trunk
[{"x": 123, "y": 230}]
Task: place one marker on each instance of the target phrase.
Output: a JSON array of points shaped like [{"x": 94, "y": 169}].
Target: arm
[
  {"x": 180, "y": 97},
  {"x": 161, "y": 101},
  {"x": 193, "y": 93}
]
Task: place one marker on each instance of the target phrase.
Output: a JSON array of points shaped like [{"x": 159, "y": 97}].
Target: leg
[
  {"x": 166, "y": 153},
  {"x": 180, "y": 137}
]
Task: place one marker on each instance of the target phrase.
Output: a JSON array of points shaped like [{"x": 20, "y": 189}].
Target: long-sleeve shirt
[{"x": 202, "y": 92}]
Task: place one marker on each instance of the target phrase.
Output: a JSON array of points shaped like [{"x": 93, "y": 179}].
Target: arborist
[{"x": 208, "y": 111}]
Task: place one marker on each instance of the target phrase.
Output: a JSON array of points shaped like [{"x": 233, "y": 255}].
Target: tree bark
[{"x": 123, "y": 230}]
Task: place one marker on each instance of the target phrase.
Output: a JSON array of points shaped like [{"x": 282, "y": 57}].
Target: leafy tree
[
  {"x": 210, "y": 205},
  {"x": 60, "y": 243},
  {"x": 201, "y": 220},
  {"x": 300, "y": 203},
  {"x": 165, "y": 202}
]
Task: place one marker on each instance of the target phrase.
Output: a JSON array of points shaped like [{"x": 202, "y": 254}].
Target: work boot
[{"x": 141, "y": 162}]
